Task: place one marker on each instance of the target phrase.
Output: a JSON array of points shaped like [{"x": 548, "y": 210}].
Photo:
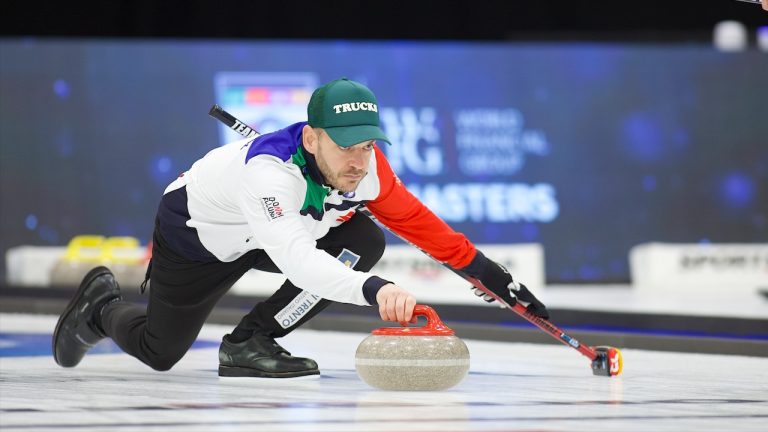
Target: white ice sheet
[{"x": 510, "y": 387}]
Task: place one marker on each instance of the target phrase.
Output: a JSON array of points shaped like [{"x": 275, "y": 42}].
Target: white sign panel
[
  {"x": 430, "y": 282},
  {"x": 713, "y": 267}
]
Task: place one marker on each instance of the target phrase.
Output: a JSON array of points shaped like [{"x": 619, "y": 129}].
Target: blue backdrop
[{"x": 588, "y": 149}]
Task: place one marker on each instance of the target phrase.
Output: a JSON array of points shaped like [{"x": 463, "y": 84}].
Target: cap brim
[{"x": 347, "y": 136}]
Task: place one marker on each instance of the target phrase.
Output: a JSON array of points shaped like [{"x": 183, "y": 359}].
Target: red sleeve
[{"x": 403, "y": 213}]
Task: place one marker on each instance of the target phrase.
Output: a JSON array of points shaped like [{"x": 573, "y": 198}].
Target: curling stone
[{"x": 413, "y": 358}]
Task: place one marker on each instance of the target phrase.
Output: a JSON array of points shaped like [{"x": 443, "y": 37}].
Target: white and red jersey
[{"x": 267, "y": 193}]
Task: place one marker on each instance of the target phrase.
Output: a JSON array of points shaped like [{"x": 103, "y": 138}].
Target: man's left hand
[{"x": 496, "y": 278}]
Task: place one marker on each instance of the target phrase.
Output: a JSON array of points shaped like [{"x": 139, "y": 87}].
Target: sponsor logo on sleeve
[
  {"x": 272, "y": 208},
  {"x": 305, "y": 301},
  {"x": 295, "y": 310}
]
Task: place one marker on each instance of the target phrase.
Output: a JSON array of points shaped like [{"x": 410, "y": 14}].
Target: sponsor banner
[
  {"x": 430, "y": 282},
  {"x": 31, "y": 266},
  {"x": 403, "y": 264},
  {"x": 660, "y": 266},
  {"x": 265, "y": 101}
]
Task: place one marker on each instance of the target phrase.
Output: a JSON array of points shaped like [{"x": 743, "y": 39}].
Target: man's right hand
[{"x": 395, "y": 304}]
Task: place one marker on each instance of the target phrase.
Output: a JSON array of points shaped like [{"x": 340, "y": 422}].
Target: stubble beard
[{"x": 336, "y": 180}]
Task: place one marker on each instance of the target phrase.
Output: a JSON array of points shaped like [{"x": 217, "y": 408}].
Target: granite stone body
[{"x": 416, "y": 360}]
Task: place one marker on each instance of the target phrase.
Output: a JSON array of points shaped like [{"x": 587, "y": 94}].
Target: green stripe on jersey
[{"x": 316, "y": 193}]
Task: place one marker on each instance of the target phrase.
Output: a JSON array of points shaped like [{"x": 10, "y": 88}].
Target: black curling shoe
[
  {"x": 260, "y": 356},
  {"x": 77, "y": 330}
]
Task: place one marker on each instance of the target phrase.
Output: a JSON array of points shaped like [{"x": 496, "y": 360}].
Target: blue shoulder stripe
[{"x": 281, "y": 143}]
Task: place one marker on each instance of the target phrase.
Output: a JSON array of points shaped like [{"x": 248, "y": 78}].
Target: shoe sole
[
  {"x": 234, "y": 371},
  {"x": 89, "y": 277}
]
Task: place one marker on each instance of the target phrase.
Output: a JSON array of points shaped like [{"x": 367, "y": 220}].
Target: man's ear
[{"x": 310, "y": 139}]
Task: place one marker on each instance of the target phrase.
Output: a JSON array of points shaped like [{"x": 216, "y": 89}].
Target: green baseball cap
[{"x": 347, "y": 111}]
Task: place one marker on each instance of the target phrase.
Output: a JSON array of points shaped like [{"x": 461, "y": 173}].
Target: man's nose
[{"x": 357, "y": 159}]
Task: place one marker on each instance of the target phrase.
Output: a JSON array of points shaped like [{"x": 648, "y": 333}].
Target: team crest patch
[
  {"x": 348, "y": 258},
  {"x": 272, "y": 208}
]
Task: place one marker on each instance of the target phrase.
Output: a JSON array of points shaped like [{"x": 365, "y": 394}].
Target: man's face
[{"x": 342, "y": 167}]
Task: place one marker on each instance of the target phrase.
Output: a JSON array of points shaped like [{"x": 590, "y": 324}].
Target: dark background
[{"x": 646, "y": 20}]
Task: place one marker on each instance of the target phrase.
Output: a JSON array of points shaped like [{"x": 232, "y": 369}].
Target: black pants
[{"x": 182, "y": 293}]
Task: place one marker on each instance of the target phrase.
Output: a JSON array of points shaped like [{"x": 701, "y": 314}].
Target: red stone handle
[{"x": 434, "y": 326}]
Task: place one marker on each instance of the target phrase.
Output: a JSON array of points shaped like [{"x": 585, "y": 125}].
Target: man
[{"x": 283, "y": 202}]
